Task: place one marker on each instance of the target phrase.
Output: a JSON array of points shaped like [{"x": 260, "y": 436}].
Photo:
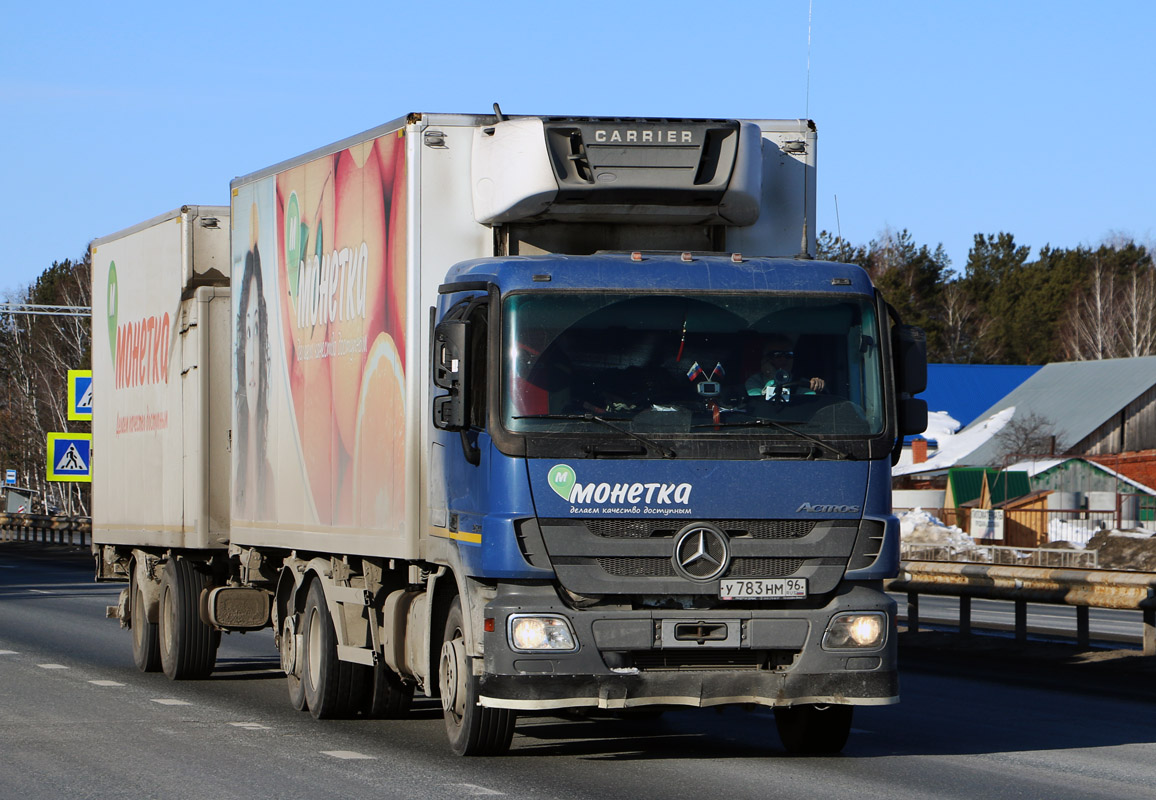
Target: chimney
[{"x": 918, "y": 451}]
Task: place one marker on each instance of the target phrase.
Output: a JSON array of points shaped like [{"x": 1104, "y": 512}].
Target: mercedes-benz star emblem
[{"x": 701, "y": 552}]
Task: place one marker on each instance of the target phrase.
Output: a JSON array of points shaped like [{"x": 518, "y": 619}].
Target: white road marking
[
  {"x": 473, "y": 790},
  {"x": 52, "y": 666},
  {"x": 8, "y": 653},
  {"x": 169, "y": 701},
  {"x": 250, "y": 726},
  {"x": 106, "y": 683},
  {"x": 347, "y": 755}
]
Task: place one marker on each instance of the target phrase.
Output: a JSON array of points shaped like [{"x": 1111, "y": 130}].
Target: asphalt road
[{"x": 77, "y": 720}]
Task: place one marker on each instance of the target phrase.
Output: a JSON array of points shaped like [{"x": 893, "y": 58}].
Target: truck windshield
[{"x": 691, "y": 365}]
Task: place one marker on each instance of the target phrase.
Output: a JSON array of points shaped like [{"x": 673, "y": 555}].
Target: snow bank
[
  {"x": 1076, "y": 532},
  {"x": 919, "y": 529}
]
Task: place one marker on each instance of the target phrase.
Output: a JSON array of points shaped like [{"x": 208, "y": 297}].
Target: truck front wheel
[
  {"x": 188, "y": 645},
  {"x": 146, "y": 647},
  {"x": 814, "y": 729},
  {"x": 473, "y": 730}
]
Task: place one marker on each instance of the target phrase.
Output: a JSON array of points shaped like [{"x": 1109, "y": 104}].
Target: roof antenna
[
  {"x": 804, "y": 251},
  {"x": 498, "y": 113},
  {"x": 807, "y": 101}
]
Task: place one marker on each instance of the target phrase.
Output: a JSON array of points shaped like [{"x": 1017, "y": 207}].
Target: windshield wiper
[
  {"x": 609, "y": 423},
  {"x": 760, "y": 422}
]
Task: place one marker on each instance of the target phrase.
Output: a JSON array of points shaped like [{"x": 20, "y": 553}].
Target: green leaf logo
[
  {"x": 293, "y": 244},
  {"x": 113, "y": 297},
  {"x": 562, "y": 480}
]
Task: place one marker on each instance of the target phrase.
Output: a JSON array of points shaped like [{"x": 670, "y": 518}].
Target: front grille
[
  {"x": 651, "y": 567},
  {"x": 637, "y": 567},
  {"x": 735, "y": 528},
  {"x": 707, "y": 659},
  {"x": 764, "y": 567}
]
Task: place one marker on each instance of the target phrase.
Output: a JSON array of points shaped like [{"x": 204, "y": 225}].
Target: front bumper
[{"x": 628, "y": 659}]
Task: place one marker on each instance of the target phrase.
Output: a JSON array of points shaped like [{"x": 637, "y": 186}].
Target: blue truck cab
[{"x": 661, "y": 519}]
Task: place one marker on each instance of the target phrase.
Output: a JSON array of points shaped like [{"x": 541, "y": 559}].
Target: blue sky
[{"x": 945, "y": 118}]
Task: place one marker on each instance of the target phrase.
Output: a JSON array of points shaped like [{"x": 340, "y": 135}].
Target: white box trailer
[
  {"x": 160, "y": 359},
  {"x": 352, "y": 242},
  {"x": 449, "y": 438}
]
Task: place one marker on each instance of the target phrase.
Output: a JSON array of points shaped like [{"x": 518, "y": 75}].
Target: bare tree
[
  {"x": 1029, "y": 435},
  {"x": 964, "y": 328},
  {"x": 37, "y": 352},
  {"x": 1115, "y": 317},
  {"x": 1092, "y": 329},
  {"x": 1137, "y": 322}
]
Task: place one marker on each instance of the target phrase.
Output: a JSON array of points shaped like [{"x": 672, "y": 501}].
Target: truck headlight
[
  {"x": 531, "y": 633},
  {"x": 855, "y": 630}
]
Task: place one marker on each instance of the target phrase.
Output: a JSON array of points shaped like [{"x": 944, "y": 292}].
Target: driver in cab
[{"x": 775, "y": 377}]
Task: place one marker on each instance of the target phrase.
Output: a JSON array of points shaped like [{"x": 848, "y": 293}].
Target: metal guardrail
[
  {"x": 1082, "y": 588},
  {"x": 41, "y": 528},
  {"x": 998, "y": 554}
]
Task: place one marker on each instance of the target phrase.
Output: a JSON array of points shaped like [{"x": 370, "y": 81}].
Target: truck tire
[
  {"x": 473, "y": 730},
  {"x": 188, "y": 645},
  {"x": 332, "y": 687},
  {"x": 390, "y": 696},
  {"x": 146, "y": 646},
  {"x": 814, "y": 729}
]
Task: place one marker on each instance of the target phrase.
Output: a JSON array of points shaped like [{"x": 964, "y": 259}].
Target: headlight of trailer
[
  {"x": 855, "y": 630},
  {"x": 531, "y": 633}
]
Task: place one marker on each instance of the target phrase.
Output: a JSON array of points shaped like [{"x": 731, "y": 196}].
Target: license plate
[{"x": 762, "y": 588}]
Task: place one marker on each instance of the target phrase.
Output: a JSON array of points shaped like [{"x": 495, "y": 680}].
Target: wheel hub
[
  {"x": 291, "y": 647},
  {"x": 452, "y": 678}
]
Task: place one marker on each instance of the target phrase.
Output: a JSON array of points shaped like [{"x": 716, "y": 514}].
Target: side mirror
[
  {"x": 450, "y": 344},
  {"x": 909, "y": 349},
  {"x": 912, "y": 413}
]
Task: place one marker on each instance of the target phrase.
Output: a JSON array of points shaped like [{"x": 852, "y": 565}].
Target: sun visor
[{"x": 617, "y": 170}]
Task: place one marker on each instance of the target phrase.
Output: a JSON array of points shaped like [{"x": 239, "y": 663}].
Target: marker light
[
  {"x": 533, "y": 633},
  {"x": 855, "y": 630}
]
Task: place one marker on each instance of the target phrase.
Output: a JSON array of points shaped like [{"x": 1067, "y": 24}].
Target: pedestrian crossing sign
[
  {"x": 70, "y": 457},
  {"x": 80, "y": 394}
]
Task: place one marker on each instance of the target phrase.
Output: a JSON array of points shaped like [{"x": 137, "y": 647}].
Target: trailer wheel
[
  {"x": 473, "y": 730},
  {"x": 146, "y": 646},
  {"x": 188, "y": 645},
  {"x": 391, "y": 696},
  {"x": 814, "y": 729},
  {"x": 331, "y": 685}
]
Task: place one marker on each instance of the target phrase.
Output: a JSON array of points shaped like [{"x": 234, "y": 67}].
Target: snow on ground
[
  {"x": 918, "y": 528},
  {"x": 1075, "y": 532}
]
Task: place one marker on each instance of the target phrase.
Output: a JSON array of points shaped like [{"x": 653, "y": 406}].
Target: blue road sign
[
  {"x": 10, "y": 477},
  {"x": 80, "y": 394},
  {"x": 70, "y": 457}
]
